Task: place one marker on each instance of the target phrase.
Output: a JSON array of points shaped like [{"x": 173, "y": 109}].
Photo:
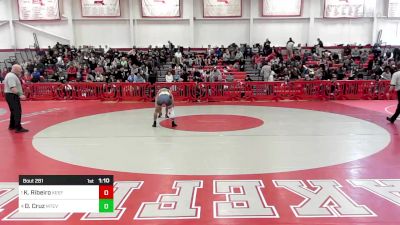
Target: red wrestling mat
[{"x": 365, "y": 191}]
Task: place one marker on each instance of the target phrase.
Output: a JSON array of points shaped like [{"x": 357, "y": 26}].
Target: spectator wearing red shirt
[
  {"x": 49, "y": 73},
  {"x": 26, "y": 78},
  {"x": 99, "y": 69},
  {"x": 71, "y": 72},
  {"x": 270, "y": 57},
  {"x": 85, "y": 72},
  {"x": 66, "y": 58},
  {"x": 257, "y": 61}
]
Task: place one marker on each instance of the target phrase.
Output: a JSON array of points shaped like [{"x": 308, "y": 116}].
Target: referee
[
  {"x": 14, "y": 93},
  {"x": 395, "y": 84}
]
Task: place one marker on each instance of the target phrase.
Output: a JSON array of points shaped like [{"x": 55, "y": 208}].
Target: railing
[{"x": 214, "y": 91}]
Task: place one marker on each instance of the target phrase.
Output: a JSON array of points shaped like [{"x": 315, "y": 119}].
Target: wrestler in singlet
[{"x": 165, "y": 98}]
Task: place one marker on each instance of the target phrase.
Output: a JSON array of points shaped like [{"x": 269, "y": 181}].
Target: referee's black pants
[
  {"x": 397, "y": 113},
  {"x": 14, "y": 104}
]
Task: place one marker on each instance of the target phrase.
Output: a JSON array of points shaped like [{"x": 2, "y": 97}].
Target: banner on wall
[
  {"x": 282, "y": 7},
  {"x": 394, "y": 8},
  {"x": 349, "y": 8},
  {"x": 161, "y": 8},
  {"x": 222, "y": 8},
  {"x": 101, "y": 8},
  {"x": 38, "y": 9}
]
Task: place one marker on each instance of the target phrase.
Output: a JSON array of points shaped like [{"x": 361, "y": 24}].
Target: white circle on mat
[{"x": 289, "y": 140}]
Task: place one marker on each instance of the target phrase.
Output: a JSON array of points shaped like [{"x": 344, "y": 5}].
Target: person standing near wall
[
  {"x": 14, "y": 93},
  {"x": 395, "y": 85},
  {"x": 319, "y": 47},
  {"x": 290, "y": 48}
]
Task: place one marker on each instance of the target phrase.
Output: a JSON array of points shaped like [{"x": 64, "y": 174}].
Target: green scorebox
[{"x": 106, "y": 205}]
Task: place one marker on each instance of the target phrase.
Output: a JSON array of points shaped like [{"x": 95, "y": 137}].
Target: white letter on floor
[
  {"x": 388, "y": 189},
  {"x": 244, "y": 199},
  {"x": 180, "y": 205},
  {"x": 326, "y": 200},
  {"x": 9, "y": 193}
]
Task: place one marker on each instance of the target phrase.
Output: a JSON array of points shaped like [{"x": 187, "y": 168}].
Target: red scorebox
[{"x": 106, "y": 192}]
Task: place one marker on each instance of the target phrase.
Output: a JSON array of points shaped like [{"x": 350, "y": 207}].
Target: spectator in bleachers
[
  {"x": 177, "y": 77},
  {"x": 139, "y": 79},
  {"x": 131, "y": 78},
  {"x": 348, "y": 62},
  {"x": 99, "y": 77},
  {"x": 218, "y": 52},
  {"x": 35, "y": 75},
  {"x": 340, "y": 73},
  {"x": 239, "y": 56},
  {"x": 364, "y": 57},
  {"x": 298, "y": 50},
  {"x": 255, "y": 49},
  {"x": 356, "y": 53},
  {"x": 49, "y": 74},
  {"x": 396, "y": 54},
  {"x": 319, "y": 46},
  {"x": 347, "y": 50},
  {"x": 267, "y": 50},
  {"x": 197, "y": 75},
  {"x": 124, "y": 62},
  {"x": 169, "y": 77},
  {"x": 26, "y": 78},
  {"x": 247, "y": 51},
  {"x": 3, "y": 74},
  {"x": 248, "y": 78},
  {"x": 178, "y": 57},
  {"x": 386, "y": 75},
  {"x": 294, "y": 73},
  {"x": 290, "y": 48},
  {"x": 215, "y": 75},
  {"x": 226, "y": 57},
  {"x": 210, "y": 51},
  {"x": 257, "y": 60},
  {"x": 266, "y": 72},
  {"x": 85, "y": 73},
  {"x": 326, "y": 74},
  {"x": 99, "y": 69},
  {"x": 185, "y": 75}
]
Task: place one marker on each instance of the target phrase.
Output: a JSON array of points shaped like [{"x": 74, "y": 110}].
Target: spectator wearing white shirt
[
  {"x": 226, "y": 56},
  {"x": 290, "y": 48},
  {"x": 395, "y": 85},
  {"x": 169, "y": 78},
  {"x": 386, "y": 75},
  {"x": 178, "y": 57},
  {"x": 215, "y": 75},
  {"x": 238, "y": 56},
  {"x": 139, "y": 79},
  {"x": 267, "y": 73}
]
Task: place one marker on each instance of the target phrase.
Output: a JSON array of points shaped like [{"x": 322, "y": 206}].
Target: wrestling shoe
[
  {"x": 154, "y": 124},
  {"x": 174, "y": 124},
  {"x": 21, "y": 130}
]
